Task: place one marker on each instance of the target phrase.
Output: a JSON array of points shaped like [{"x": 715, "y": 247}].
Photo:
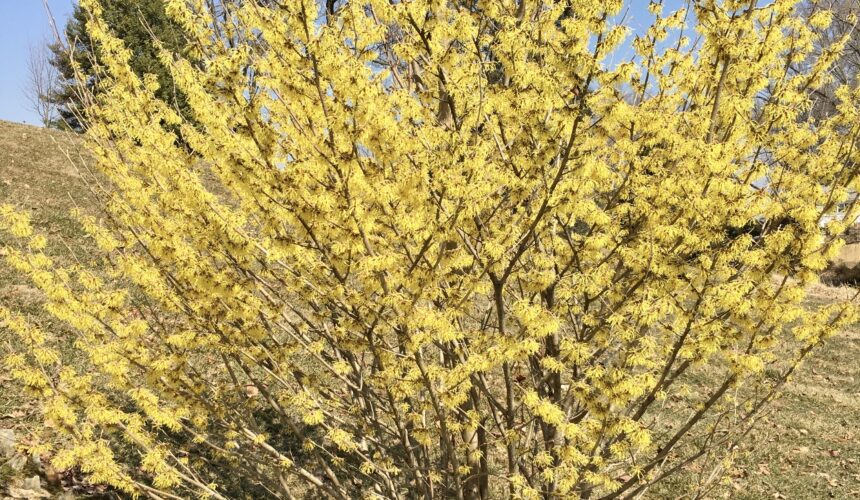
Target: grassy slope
[
  {"x": 809, "y": 446},
  {"x": 38, "y": 175}
]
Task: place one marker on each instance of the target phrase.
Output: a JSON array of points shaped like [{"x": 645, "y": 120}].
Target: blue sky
[{"x": 23, "y": 23}]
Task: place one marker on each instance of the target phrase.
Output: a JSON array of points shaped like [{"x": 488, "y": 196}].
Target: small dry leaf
[{"x": 52, "y": 477}]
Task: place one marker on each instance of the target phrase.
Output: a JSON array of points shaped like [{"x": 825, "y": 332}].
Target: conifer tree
[{"x": 137, "y": 23}]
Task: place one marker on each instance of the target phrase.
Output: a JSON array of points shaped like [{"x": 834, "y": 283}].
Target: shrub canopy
[{"x": 440, "y": 249}]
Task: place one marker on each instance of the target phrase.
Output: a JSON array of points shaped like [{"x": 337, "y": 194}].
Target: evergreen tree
[{"x": 135, "y": 22}]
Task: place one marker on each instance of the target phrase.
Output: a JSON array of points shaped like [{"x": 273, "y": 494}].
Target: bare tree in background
[
  {"x": 42, "y": 81},
  {"x": 846, "y": 71}
]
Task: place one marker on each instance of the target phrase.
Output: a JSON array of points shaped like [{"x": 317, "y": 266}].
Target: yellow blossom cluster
[{"x": 441, "y": 248}]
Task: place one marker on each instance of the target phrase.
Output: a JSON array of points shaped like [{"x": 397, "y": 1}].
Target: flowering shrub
[{"x": 439, "y": 249}]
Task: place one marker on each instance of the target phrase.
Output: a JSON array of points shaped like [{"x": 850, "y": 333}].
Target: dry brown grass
[
  {"x": 808, "y": 447},
  {"x": 38, "y": 174}
]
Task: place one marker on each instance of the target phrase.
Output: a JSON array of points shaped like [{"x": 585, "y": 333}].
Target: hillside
[
  {"x": 807, "y": 447},
  {"x": 39, "y": 174}
]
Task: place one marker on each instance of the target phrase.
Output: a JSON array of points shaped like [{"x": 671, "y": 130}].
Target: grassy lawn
[
  {"x": 38, "y": 175},
  {"x": 807, "y": 447}
]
